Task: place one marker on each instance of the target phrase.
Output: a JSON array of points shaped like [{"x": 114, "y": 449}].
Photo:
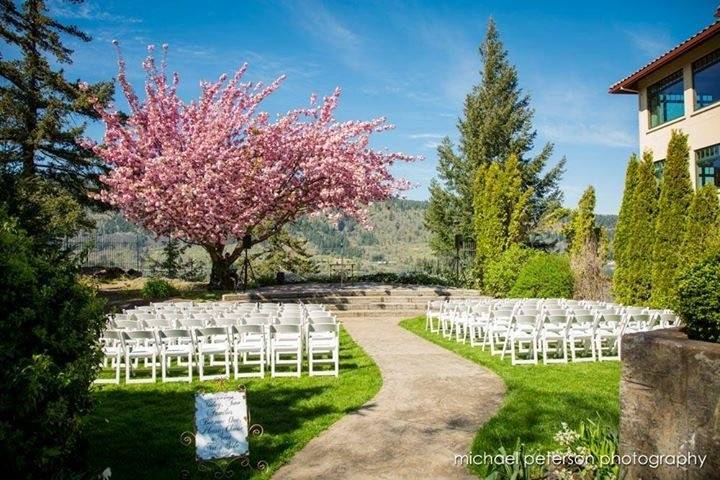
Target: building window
[
  {"x": 706, "y": 80},
  {"x": 666, "y": 99},
  {"x": 659, "y": 168},
  {"x": 708, "y": 165}
]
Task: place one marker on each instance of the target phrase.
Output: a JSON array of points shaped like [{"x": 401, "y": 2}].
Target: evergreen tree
[
  {"x": 702, "y": 233},
  {"x": 502, "y": 210},
  {"x": 496, "y": 122},
  {"x": 582, "y": 225},
  {"x": 620, "y": 241},
  {"x": 675, "y": 196},
  {"x": 637, "y": 269},
  {"x": 42, "y": 113}
]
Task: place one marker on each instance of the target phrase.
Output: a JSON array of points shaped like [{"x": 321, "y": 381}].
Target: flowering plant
[{"x": 215, "y": 169}]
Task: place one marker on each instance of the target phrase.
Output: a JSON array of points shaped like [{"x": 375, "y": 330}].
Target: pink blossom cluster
[{"x": 213, "y": 169}]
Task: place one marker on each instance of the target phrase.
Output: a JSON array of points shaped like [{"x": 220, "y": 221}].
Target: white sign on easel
[{"x": 221, "y": 425}]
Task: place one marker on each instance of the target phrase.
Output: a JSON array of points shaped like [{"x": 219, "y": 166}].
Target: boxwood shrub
[
  {"x": 698, "y": 300},
  {"x": 158, "y": 288},
  {"x": 545, "y": 275}
]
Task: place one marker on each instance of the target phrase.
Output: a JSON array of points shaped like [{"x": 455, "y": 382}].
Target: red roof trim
[{"x": 627, "y": 84}]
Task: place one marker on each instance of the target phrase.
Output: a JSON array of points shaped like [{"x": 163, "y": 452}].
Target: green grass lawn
[
  {"x": 539, "y": 397},
  {"x": 135, "y": 429}
]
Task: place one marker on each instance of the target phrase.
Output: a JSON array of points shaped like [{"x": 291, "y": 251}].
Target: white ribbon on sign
[{"x": 221, "y": 425}]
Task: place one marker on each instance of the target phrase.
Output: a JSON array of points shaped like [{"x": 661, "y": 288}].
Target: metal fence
[{"x": 125, "y": 250}]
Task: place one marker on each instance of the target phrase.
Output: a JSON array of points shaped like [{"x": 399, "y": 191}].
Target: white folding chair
[
  {"x": 160, "y": 323},
  {"x": 477, "y": 323},
  {"x": 248, "y": 348},
  {"x": 112, "y": 349},
  {"x": 432, "y": 315},
  {"x": 140, "y": 345},
  {"x": 176, "y": 343},
  {"x": 497, "y": 330},
  {"x": 608, "y": 336},
  {"x": 212, "y": 341},
  {"x": 128, "y": 324},
  {"x": 323, "y": 340},
  {"x": 523, "y": 339},
  {"x": 553, "y": 337},
  {"x": 581, "y": 337},
  {"x": 285, "y": 341}
]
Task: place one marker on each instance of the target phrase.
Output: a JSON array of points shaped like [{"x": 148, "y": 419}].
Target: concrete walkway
[{"x": 431, "y": 404}]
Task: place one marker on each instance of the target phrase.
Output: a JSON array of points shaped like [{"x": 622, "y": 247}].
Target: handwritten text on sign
[{"x": 221, "y": 425}]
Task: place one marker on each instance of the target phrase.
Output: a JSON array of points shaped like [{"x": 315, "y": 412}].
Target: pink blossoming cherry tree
[{"x": 212, "y": 170}]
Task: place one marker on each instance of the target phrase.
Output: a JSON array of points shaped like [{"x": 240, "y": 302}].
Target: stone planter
[{"x": 670, "y": 404}]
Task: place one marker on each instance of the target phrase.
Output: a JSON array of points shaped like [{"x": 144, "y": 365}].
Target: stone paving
[{"x": 429, "y": 408}]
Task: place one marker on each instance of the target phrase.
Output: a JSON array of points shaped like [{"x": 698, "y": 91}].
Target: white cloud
[
  {"x": 575, "y": 112},
  {"x": 318, "y": 21},
  {"x": 587, "y": 134},
  {"x": 648, "y": 41},
  {"x": 426, "y": 135},
  {"x": 88, "y": 10}
]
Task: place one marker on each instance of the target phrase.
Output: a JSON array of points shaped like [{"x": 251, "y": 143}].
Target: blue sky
[{"x": 412, "y": 62}]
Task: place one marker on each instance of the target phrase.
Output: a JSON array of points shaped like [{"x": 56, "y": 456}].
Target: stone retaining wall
[{"x": 670, "y": 403}]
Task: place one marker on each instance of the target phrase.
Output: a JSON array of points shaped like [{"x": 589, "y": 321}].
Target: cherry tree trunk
[{"x": 222, "y": 276}]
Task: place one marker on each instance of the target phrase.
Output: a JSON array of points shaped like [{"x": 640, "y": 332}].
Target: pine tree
[
  {"x": 675, "y": 196},
  {"x": 638, "y": 270},
  {"x": 447, "y": 214},
  {"x": 41, "y": 113},
  {"x": 496, "y": 122},
  {"x": 702, "y": 234},
  {"x": 582, "y": 226},
  {"x": 502, "y": 210}
]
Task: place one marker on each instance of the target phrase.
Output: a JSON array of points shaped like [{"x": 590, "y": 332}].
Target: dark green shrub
[
  {"x": 502, "y": 272},
  {"x": 49, "y": 352},
  {"x": 544, "y": 275},
  {"x": 158, "y": 288},
  {"x": 698, "y": 300}
]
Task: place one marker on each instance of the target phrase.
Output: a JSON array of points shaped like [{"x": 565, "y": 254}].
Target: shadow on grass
[{"x": 135, "y": 429}]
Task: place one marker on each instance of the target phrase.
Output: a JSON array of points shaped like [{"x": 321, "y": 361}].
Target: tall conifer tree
[
  {"x": 620, "y": 241},
  {"x": 675, "y": 196},
  {"x": 582, "y": 226},
  {"x": 496, "y": 122},
  {"x": 41, "y": 112},
  {"x": 502, "y": 208},
  {"x": 638, "y": 269},
  {"x": 702, "y": 234}
]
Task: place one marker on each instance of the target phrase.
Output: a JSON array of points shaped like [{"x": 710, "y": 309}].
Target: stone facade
[{"x": 670, "y": 403}]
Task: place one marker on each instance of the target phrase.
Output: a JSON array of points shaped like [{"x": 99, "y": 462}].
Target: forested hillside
[{"x": 395, "y": 241}]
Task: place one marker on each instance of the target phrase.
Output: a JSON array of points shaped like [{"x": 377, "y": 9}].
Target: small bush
[
  {"x": 698, "y": 300},
  {"x": 502, "y": 272},
  {"x": 544, "y": 275},
  {"x": 158, "y": 288}
]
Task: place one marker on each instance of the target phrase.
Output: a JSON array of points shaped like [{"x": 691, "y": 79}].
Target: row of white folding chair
[
  {"x": 503, "y": 330},
  {"x": 599, "y": 340},
  {"x": 245, "y": 341},
  {"x": 464, "y": 320},
  {"x": 203, "y": 321}
]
